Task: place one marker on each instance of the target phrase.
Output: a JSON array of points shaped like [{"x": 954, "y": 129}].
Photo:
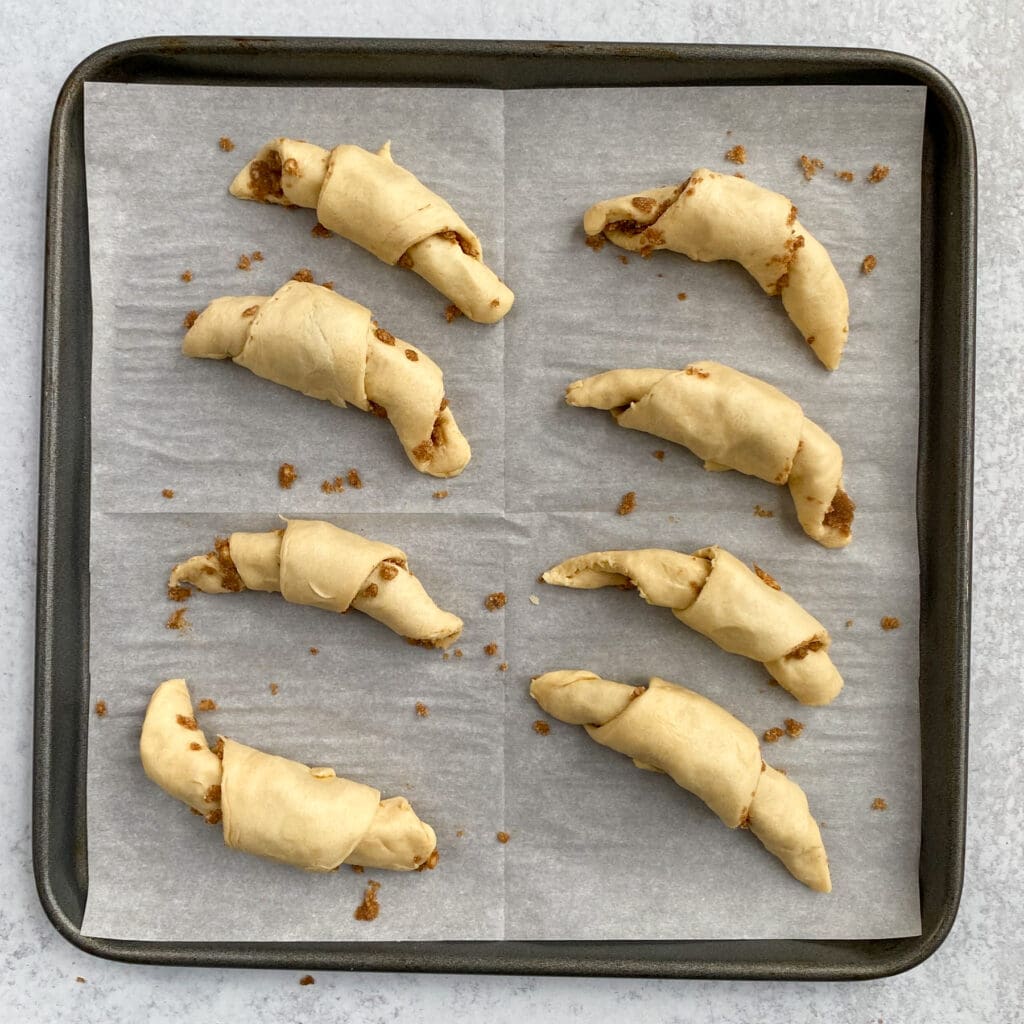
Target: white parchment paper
[{"x": 597, "y": 849}]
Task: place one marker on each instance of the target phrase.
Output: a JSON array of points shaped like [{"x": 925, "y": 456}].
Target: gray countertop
[{"x": 977, "y": 975}]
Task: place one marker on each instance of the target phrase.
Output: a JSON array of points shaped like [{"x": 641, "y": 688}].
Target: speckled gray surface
[{"x": 976, "y": 975}]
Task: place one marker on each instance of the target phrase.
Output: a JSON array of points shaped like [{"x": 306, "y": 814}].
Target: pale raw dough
[
  {"x": 315, "y": 563},
  {"x": 701, "y": 747},
  {"x": 721, "y": 217},
  {"x": 276, "y": 808},
  {"x": 312, "y": 340},
  {"x": 372, "y": 201},
  {"x": 733, "y": 421},
  {"x": 717, "y": 595}
]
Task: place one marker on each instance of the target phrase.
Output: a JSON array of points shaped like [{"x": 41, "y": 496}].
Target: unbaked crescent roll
[
  {"x": 312, "y": 340},
  {"x": 733, "y": 421},
  {"x": 276, "y": 808},
  {"x": 368, "y": 199},
  {"x": 315, "y": 563},
  {"x": 721, "y": 217},
  {"x": 717, "y": 595},
  {"x": 702, "y": 748}
]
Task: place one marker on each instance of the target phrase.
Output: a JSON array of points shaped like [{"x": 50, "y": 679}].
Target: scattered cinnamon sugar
[
  {"x": 774, "y": 734},
  {"x": 422, "y": 710},
  {"x": 80, "y": 980},
  {"x": 890, "y": 622},
  {"x": 460, "y": 833},
  {"x": 492, "y": 602},
  {"x": 793, "y": 728},
  {"x": 370, "y": 907},
  {"x": 195, "y": 746},
  {"x": 878, "y": 173},
  {"x": 212, "y": 794},
  {"x": 335, "y": 486},
  {"x": 766, "y": 578},
  {"x": 229, "y": 578},
  {"x": 388, "y": 570},
  {"x": 541, "y": 728},
  {"x": 681, "y": 296},
  {"x": 595, "y": 242},
  {"x": 186, "y": 276},
  {"x": 307, "y": 979},
  {"x": 627, "y": 504},
  {"x": 177, "y": 620},
  {"x": 305, "y": 275},
  {"x": 319, "y": 231},
  {"x": 490, "y": 650},
  {"x": 643, "y": 203},
  {"x": 503, "y": 837},
  {"x": 213, "y": 817},
  {"x": 868, "y": 264},
  {"x": 412, "y": 355},
  {"x": 457, "y": 652},
  {"x": 840, "y": 513},
  {"x": 187, "y": 722},
  {"x": 190, "y": 318},
  {"x": 314, "y": 651},
  {"x": 696, "y": 371},
  {"x": 226, "y": 144},
  {"x": 811, "y": 166},
  {"x": 623, "y": 259},
  {"x": 791, "y": 219},
  {"x": 879, "y": 804},
  {"x": 846, "y": 176},
  {"x": 659, "y": 455},
  {"x": 503, "y": 667},
  {"x": 371, "y": 590},
  {"x": 286, "y": 476},
  {"x": 244, "y": 263},
  {"x": 357, "y": 868},
  {"x": 737, "y": 155},
  {"x": 385, "y": 336},
  {"x": 807, "y": 647},
  {"x": 452, "y": 312},
  {"x": 168, "y": 493},
  {"x": 440, "y": 495},
  {"x": 354, "y": 479},
  {"x": 763, "y": 513},
  {"x": 206, "y": 704},
  {"x": 101, "y": 709},
  {"x": 257, "y": 256},
  {"x": 274, "y": 689}
]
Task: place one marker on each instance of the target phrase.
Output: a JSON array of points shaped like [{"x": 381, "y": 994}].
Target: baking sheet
[{"x": 597, "y": 849}]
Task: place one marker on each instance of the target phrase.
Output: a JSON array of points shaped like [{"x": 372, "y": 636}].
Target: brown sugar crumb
[
  {"x": 457, "y": 652},
  {"x": 503, "y": 667},
  {"x": 354, "y": 479},
  {"x": 218, "y": 747},
  {"x": 849, "y": 623},
  {"x": 766, "y": 578},
  {"x": 229, "y": 578},
  {"x": 286, "y": 476},
  {"x": 643, "y": 203},
  {"x": 370, "y": 591},
  {"x": 696, "y": 371},
  {"x": 386, "y": 336},
  {"x": 491, "y": 650},
  {"x": 274, "y": 689},
  {"x": 681, "y": 296},
  {"x": 101, "y": 709},
  {"x": 370, "y": 907},
  {"x": 335, "y": 486},
  {"x": 868, "y": 264},
  {"x": 503, "y": 837},
  {"x": 890, "y": 622},
  {"x": 623, "y": 259},
  {"x": 305, "y": 275},
  {"x": 257, "y": 256},
  {"x": 846, "y": 176},
  {"x": 319, "y": 231},
  {"x": 763, "y": 513},
  {"x": 329, "y": 285},
  {"x": 422, "y": 710},
  {"x": 190, "y": 318},
  {"x": 207, "y": 705},
  {"x": 879, "y": 804},
  {"x": 840, "y": 513},
  {"x": 431, "y": 862},
  {"x": 80, "y": 980},
  {"x": 212, "y": 794},
  {"x": 541, "y": 728},
  {"x": 811, "y": 166},
  {"x": 195, "y": 746},
  {"x": 807, "y": 647},
  {"x": 456, "y": 239},
  {"x": 791, "y": 219},
  {"x": 187, "y": 722},
  {"x": 357, "y": 868},
  {"x": 737, "y": 155},
  {"x": 793, "y": 728},
  {"x": 177, "y": 620},
  {"x": 774, "y": 734},
  {"x": 453, "y": 312},
  {"x": 168, "y": 493},
  {"x": 460, "y": 833},
  {"x": 314, "y": 651},
  {"x": 627, "y": 504},
  {"x": 595, "y": 242},
  {"x": 307, "y": 979},
  {"x": 440, "y": 495},
  {"x": 412, "y": 355},
  {"x": 492, "y": 602},
  {"x": 244, "y": 263},
  {"x": 388, "y": 570},
  {"x": 186, "y": 276},
  {"x": 878, "y": 173},
  {"x": 225, "y": 144}
]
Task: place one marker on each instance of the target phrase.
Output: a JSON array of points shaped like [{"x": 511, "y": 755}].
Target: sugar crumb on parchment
[
  {"x": 286, "y": 476},
  {"x": 502, "y": 837},
  {"x": 190, "y": 318},
  {"x": 369, "y": 909},
  {"x": 440, "y": 495},
  {"x": 319, "y": 231},
  {"x": 811, "y": 165},
  {"x": 541, "y": 727},
  {"x": 878, "y": 173},
  {"x": 101, "y": 709},
  {"x": 889, "y": 623},
  {"x": 763, "y": 513},
  {"x": 176, "y": 620},
  {"x": 879, "y": 804},
  {"x": 168, "y": 493},
  {"x": 737, "y": 155},
  {"x": 307, "y": 979},
  {"x": 225, "y": 144},
  {"x": 492, "y": 602},
  {"x": 491, "y": 649},
  {"x": 627, "y": 504},
  {"x": 868, "y": 264},
  {"x": 186, "y": 276},
  {"x": 422, "y": 710}
]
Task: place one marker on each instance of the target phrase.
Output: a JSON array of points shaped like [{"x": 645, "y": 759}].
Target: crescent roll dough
[
  {"x": 733, "y": 421},
  {"x": 717, "y": 595},
  {"x": 274, "y": 807},
  {"x": 314, "y": 563},
  {"x": 312, "y": 340},
  {"x": 368, "y": 199},
  {"x": 721, "y": 217},
  {"x": 702, "y": 748}
]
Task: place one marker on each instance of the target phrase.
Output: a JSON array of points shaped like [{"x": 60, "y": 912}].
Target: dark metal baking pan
[{"x": 943, "y": 498}]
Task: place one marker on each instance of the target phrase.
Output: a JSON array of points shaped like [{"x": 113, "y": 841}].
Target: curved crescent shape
[
  {"x": 714, "y": 593},
  {"x": 276, "y": 808},
  {"x": 733, "y": 421},
  {"x": 721, "y": 217},
  {"x": 368, "y": 199},
  {"x": 702, "y": 748},
  {"x": 315, "y": 563}
]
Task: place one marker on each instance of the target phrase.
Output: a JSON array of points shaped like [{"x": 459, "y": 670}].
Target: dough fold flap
[
  {"x": 715, "y": 216},
  {"x": 703, "y": 749}
]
